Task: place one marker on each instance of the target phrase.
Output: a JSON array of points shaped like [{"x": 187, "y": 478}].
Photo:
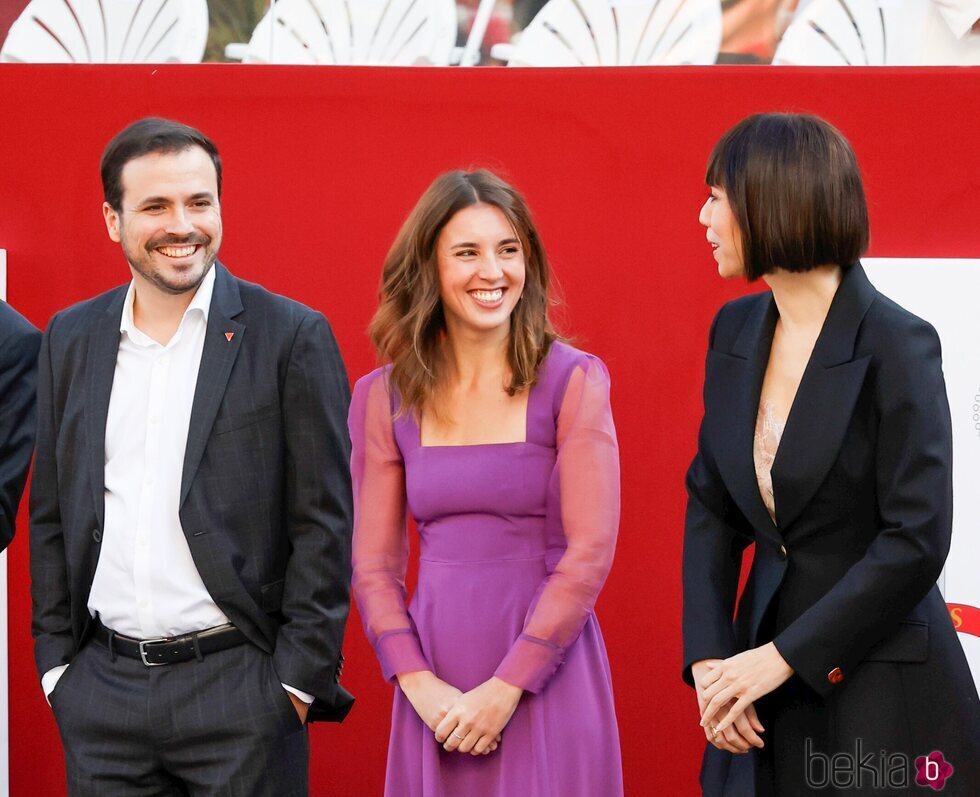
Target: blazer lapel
[
  {"x": 220, "y": 351},
  {"x": 734, "y": 381},
  {"x": 103, "y": 348},
  {"x": 824, "y": 401}
]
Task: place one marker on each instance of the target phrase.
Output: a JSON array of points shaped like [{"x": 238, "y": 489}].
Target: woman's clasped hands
[
  {"x": 727, "y": 690},
  {"x": 468, "y": 722}
]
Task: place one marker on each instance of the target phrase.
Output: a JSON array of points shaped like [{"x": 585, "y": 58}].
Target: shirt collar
[{"x": 201, "y": 303}]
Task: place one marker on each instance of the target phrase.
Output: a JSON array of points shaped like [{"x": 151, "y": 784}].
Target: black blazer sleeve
[
  {"x": 914, "y": 486},
  {"x": 319, "y": 516},
  {"x": 712, "y": 559},
  {"x": 19, "y": 343},
  {"x": 51, "y": 615}
]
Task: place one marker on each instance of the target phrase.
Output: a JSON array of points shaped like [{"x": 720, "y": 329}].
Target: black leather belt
[{"x": 170, "y": 650}]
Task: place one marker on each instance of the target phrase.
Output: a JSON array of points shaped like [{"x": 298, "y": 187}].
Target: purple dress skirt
[{"x": 516, "y": 540}]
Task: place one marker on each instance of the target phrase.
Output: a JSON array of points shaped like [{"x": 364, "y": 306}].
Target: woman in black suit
[{"x": 826, "y": 440}]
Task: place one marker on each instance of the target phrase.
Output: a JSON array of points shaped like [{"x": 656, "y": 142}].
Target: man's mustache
[{"x": 174, "y": 240}]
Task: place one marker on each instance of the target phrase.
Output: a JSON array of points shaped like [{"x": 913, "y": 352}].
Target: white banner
[{"x": 945, "y": 293}]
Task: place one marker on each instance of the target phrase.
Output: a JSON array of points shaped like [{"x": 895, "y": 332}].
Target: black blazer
[
  {"x": 863, "y": 494},
  {"x": 265, "y": 495},
  {"x": 19, "y": 342}
]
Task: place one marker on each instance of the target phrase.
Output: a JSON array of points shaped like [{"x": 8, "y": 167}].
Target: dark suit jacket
[
  {"x": 863, "y": 494},
  {"x": 19, "y": 342},
  {"x": 265, "y": 494}
]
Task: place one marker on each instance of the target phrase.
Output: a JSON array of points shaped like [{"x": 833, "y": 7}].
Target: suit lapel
[
  {"x": 217, "y": 359},
  {"x": 103, "y": 348},
  {"x": 824, "y": 401},
  {"x": 732, "y": 401}
]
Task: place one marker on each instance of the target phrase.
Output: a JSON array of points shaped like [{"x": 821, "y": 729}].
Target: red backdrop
[{"x": 322, "y": 166}]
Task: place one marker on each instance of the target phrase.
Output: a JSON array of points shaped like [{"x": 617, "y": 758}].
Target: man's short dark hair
[
  {"x": 143, "y": 137},
  {"x": 794, "y": 187}
]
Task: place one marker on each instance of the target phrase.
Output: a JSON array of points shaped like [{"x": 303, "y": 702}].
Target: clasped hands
[
  {"x": 469, "y": 722},
  {"x": 727, "y": 690}
]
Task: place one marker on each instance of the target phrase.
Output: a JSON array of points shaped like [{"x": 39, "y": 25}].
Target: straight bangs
[{"x": 795, "y": 190}]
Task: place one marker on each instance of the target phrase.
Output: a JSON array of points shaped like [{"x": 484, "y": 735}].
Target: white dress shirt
[{"x": 146, "y": 584}]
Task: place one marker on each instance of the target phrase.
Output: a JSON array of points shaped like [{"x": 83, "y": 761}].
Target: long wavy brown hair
[{"x": 409, "y": 327}]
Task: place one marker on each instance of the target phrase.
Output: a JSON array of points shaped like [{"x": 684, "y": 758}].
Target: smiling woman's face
[
  {"x": 723, "y": 234},
  {"x": 481, "y": 271}
]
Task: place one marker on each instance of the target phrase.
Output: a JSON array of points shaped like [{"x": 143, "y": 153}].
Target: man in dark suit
[
  {"x": 191, "y": 503},
  {"x": 19, "y": 342}
]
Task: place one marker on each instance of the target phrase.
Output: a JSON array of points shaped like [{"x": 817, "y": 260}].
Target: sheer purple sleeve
[
  {"x": 380, "y": 554},
  {"x": 588, "y": 483}
]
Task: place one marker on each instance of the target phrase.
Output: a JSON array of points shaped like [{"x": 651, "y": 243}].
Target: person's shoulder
[
  {"x": 567, "y": 357},
  {"x": 889, "y": 316},
  {"x": 372, "y": 396},
  {"x": 366, "y": 382},
  {"x": 743, "y": 305},
  {"x": 890, "y": 332},
  {"x": 13, "y": 326},
  {"x": 733, "y": 313},
  {"x": 561, "y": 362},
  {"x": 904, "y": 351},
  {"x": 731, "y": 317},
  {"x": 258, "y": 298},
  {"x": 276, "y": 310},
  {"x": 76, "y": 320},
  {"x": 19, "y": 338}
]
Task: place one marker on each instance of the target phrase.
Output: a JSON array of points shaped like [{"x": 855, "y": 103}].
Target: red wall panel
[{"x": 321, "y": 167}]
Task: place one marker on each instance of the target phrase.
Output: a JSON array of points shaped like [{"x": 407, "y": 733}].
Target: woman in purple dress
[{"x": 499, "y": 440}]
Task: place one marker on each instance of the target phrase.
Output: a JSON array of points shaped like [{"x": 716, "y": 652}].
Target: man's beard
[{"x": 142, "y": 261}]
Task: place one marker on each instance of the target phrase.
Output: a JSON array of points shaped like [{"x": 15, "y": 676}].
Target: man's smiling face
[{"x": 169, "y": 224}]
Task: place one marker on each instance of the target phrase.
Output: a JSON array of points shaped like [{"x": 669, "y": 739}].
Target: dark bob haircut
[
  {"x": 795, "y": 190},
  {"x": 143, "y": 137}
]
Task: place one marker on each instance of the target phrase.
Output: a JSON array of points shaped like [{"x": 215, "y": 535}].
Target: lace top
[{"x": 768, "y": 432}]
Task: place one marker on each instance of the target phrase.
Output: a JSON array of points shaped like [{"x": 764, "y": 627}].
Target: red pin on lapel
[{"x": 229, "y": 336}]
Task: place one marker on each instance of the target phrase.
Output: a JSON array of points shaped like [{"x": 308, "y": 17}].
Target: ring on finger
[{"x": 461, "y": 738}]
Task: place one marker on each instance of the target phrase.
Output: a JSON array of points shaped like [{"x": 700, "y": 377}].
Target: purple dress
[{"x": 516, "y": 540}]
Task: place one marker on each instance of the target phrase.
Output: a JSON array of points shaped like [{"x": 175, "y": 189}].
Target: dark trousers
[{"x": 223, "y": 725}]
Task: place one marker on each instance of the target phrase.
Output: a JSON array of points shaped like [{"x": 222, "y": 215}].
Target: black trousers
[{"x": 222, "y": 726}]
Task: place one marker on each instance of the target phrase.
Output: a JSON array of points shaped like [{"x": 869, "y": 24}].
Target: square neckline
[{"x": 524, "y": 442}]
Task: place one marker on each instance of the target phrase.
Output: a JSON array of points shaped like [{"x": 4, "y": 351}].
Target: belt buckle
[{"x": 144, "y": 643}]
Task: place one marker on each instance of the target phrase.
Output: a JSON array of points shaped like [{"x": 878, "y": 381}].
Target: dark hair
[
  {"x": 409, "y": 325},
  {"x": 795, "y": 190},
  {"x": 143, "y": 137}
]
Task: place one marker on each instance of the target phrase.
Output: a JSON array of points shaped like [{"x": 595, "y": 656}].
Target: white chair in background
[
  {"x": 108, "y": 31},
  {"x": 874, "y": 33},
  {"x": 618, "y": 33},
  {"x": 390, "y": 32}
]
